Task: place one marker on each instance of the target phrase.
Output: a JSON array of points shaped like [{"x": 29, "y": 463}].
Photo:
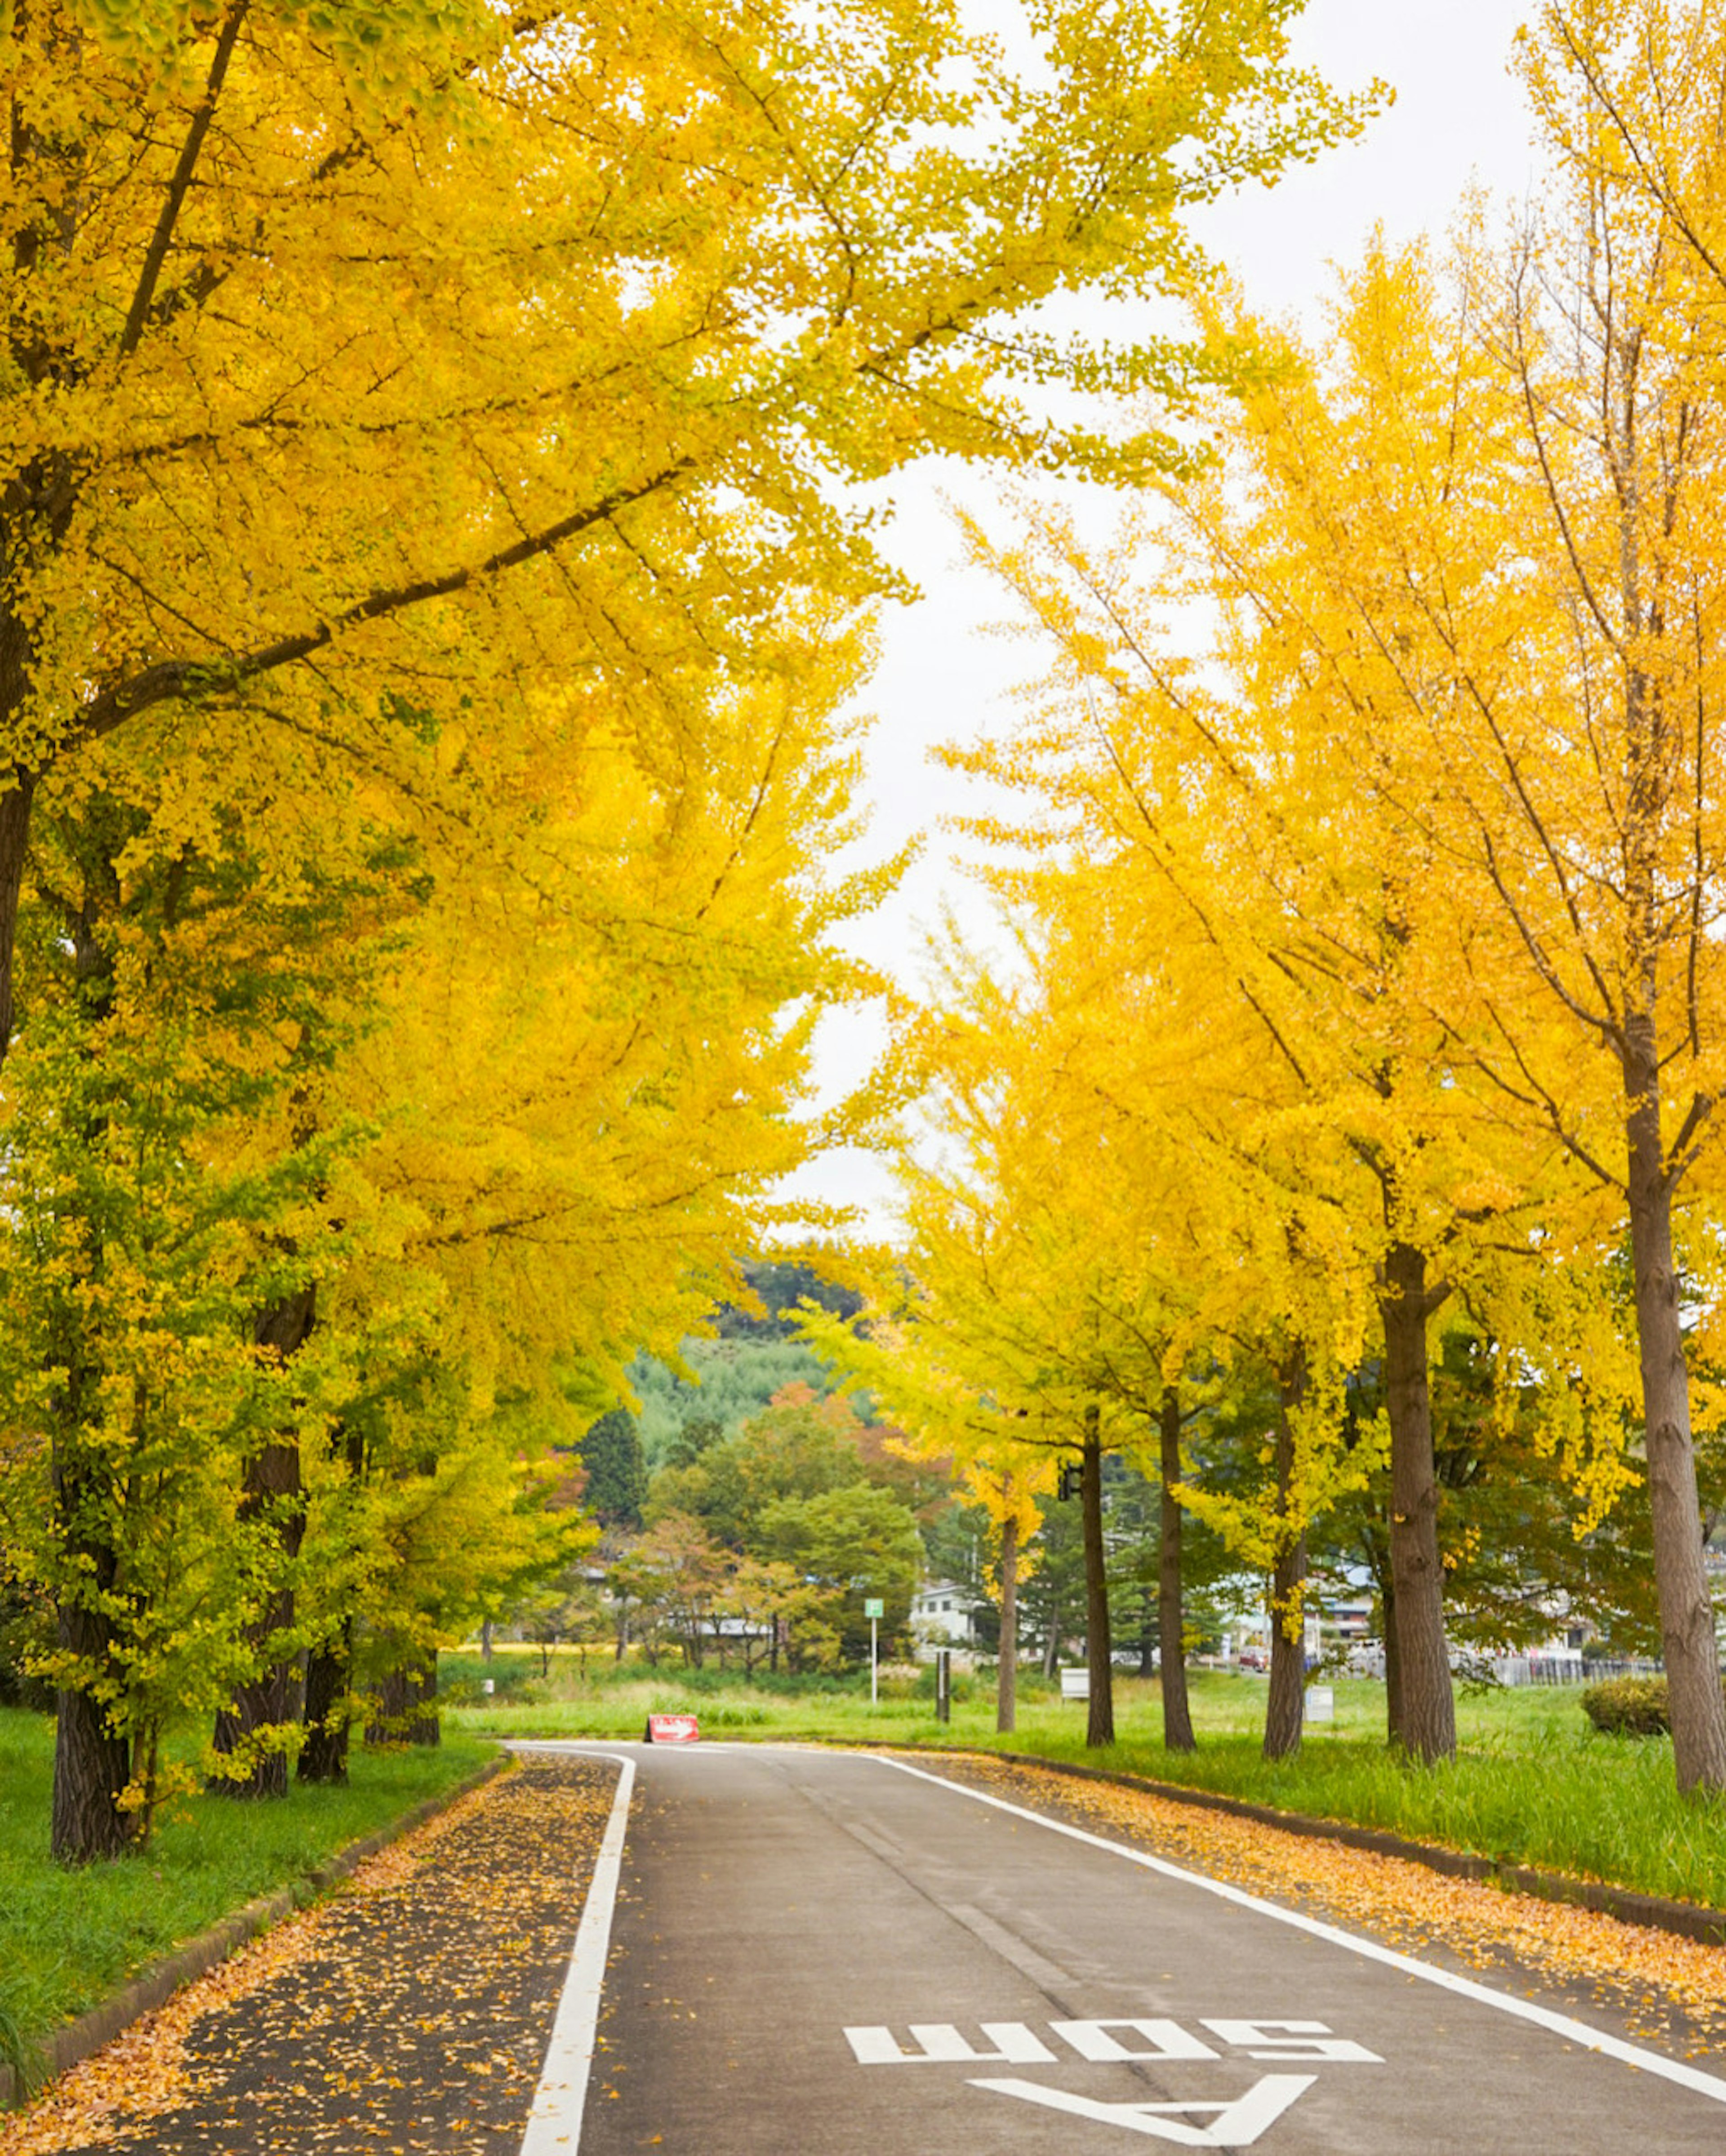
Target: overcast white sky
[{"x": 1457, "y": 115}]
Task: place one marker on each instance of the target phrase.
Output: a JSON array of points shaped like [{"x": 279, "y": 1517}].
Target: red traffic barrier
[{"x": 672, "y": 1729}]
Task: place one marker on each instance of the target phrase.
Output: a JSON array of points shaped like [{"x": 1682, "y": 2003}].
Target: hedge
[{"x": 1629, "y": 1706}]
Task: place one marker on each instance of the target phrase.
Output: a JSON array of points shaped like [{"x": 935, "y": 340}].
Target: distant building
[{"x": 942, "y": 1614}]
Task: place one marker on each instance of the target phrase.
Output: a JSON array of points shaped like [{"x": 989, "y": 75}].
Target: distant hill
[
  {"x": 751, "y": 1360},
  {"x": 781, "y": 1284}
]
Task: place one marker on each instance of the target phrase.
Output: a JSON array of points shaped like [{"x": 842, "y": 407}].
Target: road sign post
[{"x": 874, "y": 1608}]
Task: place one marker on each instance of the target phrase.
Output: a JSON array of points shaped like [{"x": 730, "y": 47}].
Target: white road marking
[
  {"x": 939, "y": 2043},
  {"x": 1236, "y": 2125},
  {"x": 1156, "y": 2039},
  {"x": 1296, "y": 2040},
  {"x": 554, "y": 2123},
  {"x": 1522, "y": 2009},
  {"x": 942, "y": 2044}
]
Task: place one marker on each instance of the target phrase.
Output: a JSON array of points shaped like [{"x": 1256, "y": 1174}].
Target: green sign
[{"x": 875, "y": 1607}]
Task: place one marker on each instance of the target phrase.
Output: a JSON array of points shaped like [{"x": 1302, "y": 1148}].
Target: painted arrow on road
[{"x": 1237, "y": 2124}]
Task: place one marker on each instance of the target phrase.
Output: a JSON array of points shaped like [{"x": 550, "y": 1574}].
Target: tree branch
[
  {"x": 174, "y": 677},
  {"x": 155, "y": 256}
]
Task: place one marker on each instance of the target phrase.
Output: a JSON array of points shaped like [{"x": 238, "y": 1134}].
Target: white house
[{"x": 941, "y": 1614}]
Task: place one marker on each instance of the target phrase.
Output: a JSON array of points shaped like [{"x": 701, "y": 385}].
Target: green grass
[
  {"x": 1532, "y": 1782},
  {"x": 69, "y": 1939}
]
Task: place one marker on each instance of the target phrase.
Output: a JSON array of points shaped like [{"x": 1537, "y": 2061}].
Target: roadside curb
[
  {"x": 156, "y": 1985},
  {"x": 1686, "y": 1919}
]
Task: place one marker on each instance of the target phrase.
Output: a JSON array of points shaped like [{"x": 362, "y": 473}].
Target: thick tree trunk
[
  {"x": 254, "y": 1726},
  {"x": 329, "y": 1676},
  {"x": 1100, "y": 1728},
  {"x": 92, "y": 1765},
  {"x": 92, "y": 1762},
  {"x": 271, "y": 1700},
  {"x": 1428, "y": 1703},
  {"x": 1285, "y": 1702},
  {"x": 404, "y": 1709},
  {"x": 1687, "y": 1611},
  {"x": 329, "y": 1666},
  {"x": 427, "y": 1727},
  {"x": 1007, "y": 1682},
  {"x": 1171, "y": 1610}
]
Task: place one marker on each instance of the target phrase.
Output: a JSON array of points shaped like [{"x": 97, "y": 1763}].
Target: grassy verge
[
  {"x": 67, "y": 1939},
  {"x": 1533, "y": 1782}
]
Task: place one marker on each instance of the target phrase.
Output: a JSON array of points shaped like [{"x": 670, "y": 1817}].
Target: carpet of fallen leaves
[
  {"x": 408, "y": 2011},
  {"x": 1664, "y": 1989}
]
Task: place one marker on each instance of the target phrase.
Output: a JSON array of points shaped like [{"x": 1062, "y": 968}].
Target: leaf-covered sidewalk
[{"x": 410, "y": 2012}]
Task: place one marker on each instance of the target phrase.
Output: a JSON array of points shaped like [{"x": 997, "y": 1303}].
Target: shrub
[
  {"x": 26, "y": 1632},
  {"x": 1628, "y": 1706}
]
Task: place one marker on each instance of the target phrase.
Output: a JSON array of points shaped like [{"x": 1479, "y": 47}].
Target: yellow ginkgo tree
[{"x": 364, "y": 364}]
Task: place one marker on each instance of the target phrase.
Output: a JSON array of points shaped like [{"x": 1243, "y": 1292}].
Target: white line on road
[
  {"x": 1525, "y": 2009},
  {"x": 554, "y": 2123}
]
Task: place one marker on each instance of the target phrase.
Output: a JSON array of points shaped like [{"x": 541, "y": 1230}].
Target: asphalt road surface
[{"x": 830, "y": 1954}]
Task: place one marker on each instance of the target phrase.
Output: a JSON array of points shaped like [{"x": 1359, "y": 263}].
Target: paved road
[{"x": 822, "y": 1955}]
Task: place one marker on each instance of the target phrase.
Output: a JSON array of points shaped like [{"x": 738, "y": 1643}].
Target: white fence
[{"x": 1567, "y": 1669}]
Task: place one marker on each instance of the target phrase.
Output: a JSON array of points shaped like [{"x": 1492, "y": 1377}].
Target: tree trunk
[
  {"x": 254, "y": 1726},
  {"x": 14, "y": 837},
  {"x": 1171, "y": 1612},
  {"x": 485, "y": 1640},
  {"x": 1052, "y": 1644},
  {"x": 1686, "y": 1610},
  {"x": 92, "y": 1762},
  {"x": 1286, "y": 1700},
  {"x": 329, "y": 1666},
  {"x": 1007, "y": 1681},
  {"x": 427, "y": 1726},
  {"x": 329, "y": 1676},
  {"x": 1100, "y": 1728},
  {"x": 273, "y": 1491},
  {"x": 92, "y": 1765},
  {"x": 400, "y": 1713},
  {"x": 1428, "y": 1703}
]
